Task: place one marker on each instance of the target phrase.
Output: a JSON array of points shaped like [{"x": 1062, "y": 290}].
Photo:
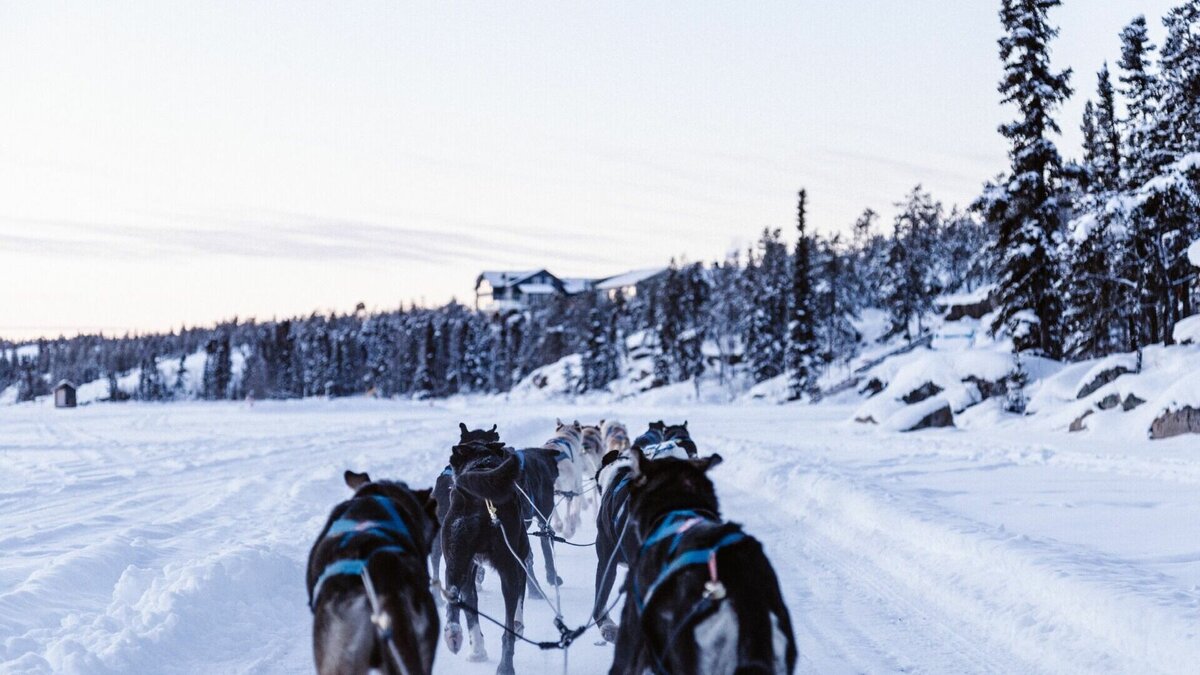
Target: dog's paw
[
  {"x": 506, "y": 670},
  {"x": 554, "y": 580},
  {"x": 478, "y": 655},
  {"x": 454, "y": 637},
  {"x": 608, "y": 630}
]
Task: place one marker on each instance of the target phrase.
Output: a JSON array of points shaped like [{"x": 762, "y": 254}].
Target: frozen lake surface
[{"x": 145, "y": 538}]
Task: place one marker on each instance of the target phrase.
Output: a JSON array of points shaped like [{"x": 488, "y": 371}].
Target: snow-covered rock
[
  {"x": 1127, "y": 406},
  {"x": 1188, "y": 330},
  {"x": 1194, "y": 253},
  {"x": 1105, "y": 371},
  {"x": 910, "y": 380},
  {"x": 1185, "y": 420},
  {"x": 970, "y": 305},
  {"x": 928, "y": 414}
]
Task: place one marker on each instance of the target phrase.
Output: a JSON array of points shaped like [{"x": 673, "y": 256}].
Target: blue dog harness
[
  {"x": 392, "y": 530},
  {"x": 565, "y": 449},
  {"x": 617, "y": 491},
  {"x": 651, "y": 437},
  {"x": 672, "y": 529}
]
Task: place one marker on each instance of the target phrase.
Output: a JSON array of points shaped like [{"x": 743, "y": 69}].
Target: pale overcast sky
[{"x": 163, "y": 163}]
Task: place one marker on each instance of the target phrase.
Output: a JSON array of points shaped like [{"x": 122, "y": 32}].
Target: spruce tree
[
  {"x": 768, "y": 330},
  {"x": 1097, "y": 306},
  {"x": 802, "y": 334},
  {"x": 600, "y": 355},
  {"x": 151, "y": 386},
  {"x": 834, "y": 302},
  {"x": 912, "y": 282},
  {"x": 422, "y": 387},
  {"x": 1141, "y": 90},
  {"x": 1028, "y": 207},
  {"x": 1106, "y": 145}
]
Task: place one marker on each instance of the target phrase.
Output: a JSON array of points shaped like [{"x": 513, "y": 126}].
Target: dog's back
[
  {"x": 716, "y": 577},
  {"x": 539, "y": 470},
  {"x": 382, "y": 534}
]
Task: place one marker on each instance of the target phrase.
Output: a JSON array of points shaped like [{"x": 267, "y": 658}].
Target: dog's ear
[
  {"x": 557, "y": 424},
  {"x": 638, "y": 465},
  {"x": 356, "y": 480},
  {"x": 601, "y": 425},
  {"x": 462, "y": 430},
  {"x": 685, "y": 424},
  {"x": 707, "y": 463},
  {"x": 658, "y": 425},
  {"x": 609, "y": 457},
  {"x": 578, "y": 426},
  {"x": 426, "y": 500}
]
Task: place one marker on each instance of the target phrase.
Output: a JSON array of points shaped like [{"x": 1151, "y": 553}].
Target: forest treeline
[{"x": 1087, "y": 257}]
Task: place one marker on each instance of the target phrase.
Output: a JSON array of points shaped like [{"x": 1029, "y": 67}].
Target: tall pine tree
[
  {"x": 1028, "y": 207},
  {"x": 802, "y": 335}
]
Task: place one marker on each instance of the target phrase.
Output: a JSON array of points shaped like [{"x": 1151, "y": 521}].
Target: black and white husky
[
  {"x": 441, "y": 493},
  {"x": 381, "y": 537},
  {"x": 538, "y": 475},
  {"x": 615, "y": 543},
  {"x": 701, "y": 596},
  {"x": 484, "y": 524}
]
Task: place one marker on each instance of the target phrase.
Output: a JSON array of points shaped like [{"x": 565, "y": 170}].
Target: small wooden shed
[{"x": 64, "y": 395}]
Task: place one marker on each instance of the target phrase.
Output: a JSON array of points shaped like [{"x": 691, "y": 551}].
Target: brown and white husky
[
  {"x": 568, "y": 488},
  {"x": 614, "y": 437},
  {"x": 593, "y": 453}
]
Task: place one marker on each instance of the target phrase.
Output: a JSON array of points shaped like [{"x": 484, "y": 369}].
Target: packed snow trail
[{"x": 172, "y": 538}]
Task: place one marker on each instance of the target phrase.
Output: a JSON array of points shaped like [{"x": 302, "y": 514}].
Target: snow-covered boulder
[
  {"x": 1172, "y": 423},
  {"x": 1105, "y": 371},
  {"x": 1080, "y": 423},
  {"x": 561, "y": 378},
  {"x": 971, "y": 305},
  {"x": 1187, "y": 331},
  {"x": 914, "y": 386},
  {"x": 931, "y": 413}
]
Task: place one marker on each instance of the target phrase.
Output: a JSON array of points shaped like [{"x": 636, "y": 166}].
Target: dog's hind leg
[
  {"x": 343, "y": 637},
  {"x": 548, "y": 553},
  {"x": 435, "y": 565},
  {"x": 475, "y": 634},
  {"x": 512, "y": 585},
  {"x": 606, "y": 573},
  {"x": 458, "y": 577},
  {"x": 531, "y": 588}
]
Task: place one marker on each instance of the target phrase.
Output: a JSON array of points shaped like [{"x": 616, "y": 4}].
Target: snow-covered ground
[{"x": 143, "y": 538}]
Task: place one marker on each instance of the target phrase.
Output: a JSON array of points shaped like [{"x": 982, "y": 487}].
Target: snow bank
[
  {"x": 957, "y": 379},
  {"x": 561, "y": 379},
  {"x": 1188, "y": 330},
  {"x": 1126, "y": 406}
]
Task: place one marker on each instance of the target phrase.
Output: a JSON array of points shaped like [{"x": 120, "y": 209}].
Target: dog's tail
[{"x": 495, "y": 485}]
